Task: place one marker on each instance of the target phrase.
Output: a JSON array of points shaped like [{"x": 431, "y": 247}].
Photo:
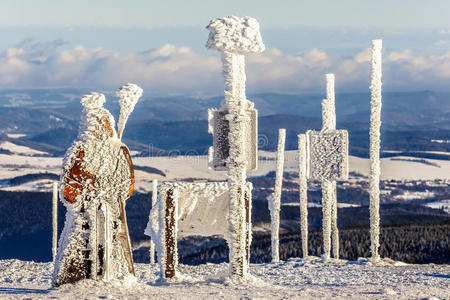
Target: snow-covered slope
[
  {"x": 17, "y": 149},
  {"x": 293, "y": 279},
  {"x": 182, "y": 167}
]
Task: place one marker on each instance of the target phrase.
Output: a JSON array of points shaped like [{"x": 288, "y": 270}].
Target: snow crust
[
  {"x": 375, "y": 140},
  {"x": 234, "y": 34},
  {"x": 294, "y": 279},
  {"x": 128, "y": 97}
]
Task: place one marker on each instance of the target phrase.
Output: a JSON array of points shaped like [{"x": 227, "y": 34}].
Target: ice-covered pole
[
  {"x": 328, "y": 187},
  {"x": 55, "y": 220},
  {"x": 234, "y": 37},
  {"x": 375, "y": 124},
  {"x": 275, "y": 201},
  {"x": 303, "y": 192},
  {"x": 128, "y": 97},
  {"x": 154, "y": 198}
]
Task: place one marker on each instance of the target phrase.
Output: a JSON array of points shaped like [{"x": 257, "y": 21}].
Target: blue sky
[{"x": 49, "y": 43}]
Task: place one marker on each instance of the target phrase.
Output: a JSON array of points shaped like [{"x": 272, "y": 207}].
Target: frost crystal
[
  {"x": 236, "y": 35},
  {"x": 275, "y": 200},
  {"x": 96, "y": 180},
  {"x": 375, "y": 124},
  {"x": 128, "y": 97}
]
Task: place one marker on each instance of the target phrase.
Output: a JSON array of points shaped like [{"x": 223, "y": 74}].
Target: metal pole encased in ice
[
  {"x": 328, "y": 187},
  {"x": 154, "y": 199},
  {"x": 55, "y": 220},
  {"x": 234, "y": 37},
  {"x": 275, "y": 200},
  {"x": 303, "y": 192},
  {"x": 375, "y": 169}
]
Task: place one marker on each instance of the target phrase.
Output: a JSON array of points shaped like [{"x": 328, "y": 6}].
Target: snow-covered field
[
  {"x": 183, "y": 167},
  {"x": 293, "y": 279}
]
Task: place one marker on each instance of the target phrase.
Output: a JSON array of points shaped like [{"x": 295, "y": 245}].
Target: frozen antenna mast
[
  {"x": 235, "y": 37},
  {"x": 375, "y": 124}
]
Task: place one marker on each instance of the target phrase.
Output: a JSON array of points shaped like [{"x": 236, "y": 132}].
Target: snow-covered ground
[
  {"x": 183, "y": 167},
  {"x": 444, "y": 204},
  {"x": 17, "y": 149},
  {"x": 293, "y": 279}
]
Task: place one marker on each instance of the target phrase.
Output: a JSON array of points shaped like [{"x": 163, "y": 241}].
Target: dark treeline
[
  {"x": 410, "y": 233},
  {"x": 416, "y": 244}
]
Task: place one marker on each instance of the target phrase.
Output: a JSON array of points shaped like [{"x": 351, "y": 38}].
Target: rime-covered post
[
  {"x": 154, "y": 199},
  {"x": 332, "y": 124},
  {"x": 303, "y": 192},
  {"x": 275, "y": 200},
  {"x": 234, "y": 37},
  {"x": 328, "y": 187},
  {"x": 375, "y": 124},
  {"x": 55, "y": 220}
]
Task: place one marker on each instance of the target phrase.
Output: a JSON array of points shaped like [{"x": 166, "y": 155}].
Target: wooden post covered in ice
[
  {"x": 235, "y": 37},
  {"x": 375, "y": 170},
  {"x": 303, "y": 192},
  {"x": 55, "y": 220},
  {"x": 154, "y": 199},
  {"x": 169, "y": 209},
  {"x": 275, "y": 199}
]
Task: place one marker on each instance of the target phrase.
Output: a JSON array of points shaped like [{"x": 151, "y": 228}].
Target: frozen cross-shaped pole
[
  {"x": 375, "y": 124},
  {"x": 235, "y": 37},
  {"x": 329, "y": 205}
]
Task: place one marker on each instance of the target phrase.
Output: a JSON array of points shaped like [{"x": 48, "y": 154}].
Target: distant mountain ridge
[{"x": 50, "y": 119}]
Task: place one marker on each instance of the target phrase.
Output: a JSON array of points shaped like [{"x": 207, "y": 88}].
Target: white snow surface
[
  {"x": 294, "y": 279},
  {"x": 20, "y": 149}
]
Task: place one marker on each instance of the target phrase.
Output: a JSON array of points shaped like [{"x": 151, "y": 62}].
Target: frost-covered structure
[
  {"x": 96, "y": 180},
  {"x": 235, "y": 37},
  {"x": 327, "y": 161},
  {"x": 375, "y": 170},
  {"x": 154, "y": 200},
  {"x": 191, "y": 208},
  {"x": 274, "y": 199},
  {"x": 303, "y": 192}
]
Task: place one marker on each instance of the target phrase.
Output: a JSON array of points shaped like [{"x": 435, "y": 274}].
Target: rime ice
[
  {"x": 375, "y": 124},
  {"x": 234, "y": 37},
  {"x": 96, "y": 180}
]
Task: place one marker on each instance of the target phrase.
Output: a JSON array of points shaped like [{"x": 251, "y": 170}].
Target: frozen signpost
[
  {"x": 327, "y": 151},
  {"x": 234, "y": 130}
]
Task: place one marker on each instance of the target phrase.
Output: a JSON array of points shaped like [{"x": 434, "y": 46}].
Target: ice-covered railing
[{"x": 189, "y": 208}]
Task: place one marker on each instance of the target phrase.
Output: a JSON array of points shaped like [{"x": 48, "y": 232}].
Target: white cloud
[{"x": 172, "y": 69}]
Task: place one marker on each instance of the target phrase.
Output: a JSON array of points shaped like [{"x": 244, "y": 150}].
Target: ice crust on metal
[{"x": 327, "y": 155}]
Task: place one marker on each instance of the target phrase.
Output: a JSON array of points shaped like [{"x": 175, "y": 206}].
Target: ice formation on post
[
  {"x": 327, "y": 161},
  {"x": 191, "y": 208},
  {"x": 154, "y": 200},
  {"x": 55, "y": 220},
  {"x": 375, "y": 124},
  {"x": 234, "y": 37},
  {"x": 96, "y": 180},
  {"x": 303, "y": 192},
  {"x": 275, "y": 199}
]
